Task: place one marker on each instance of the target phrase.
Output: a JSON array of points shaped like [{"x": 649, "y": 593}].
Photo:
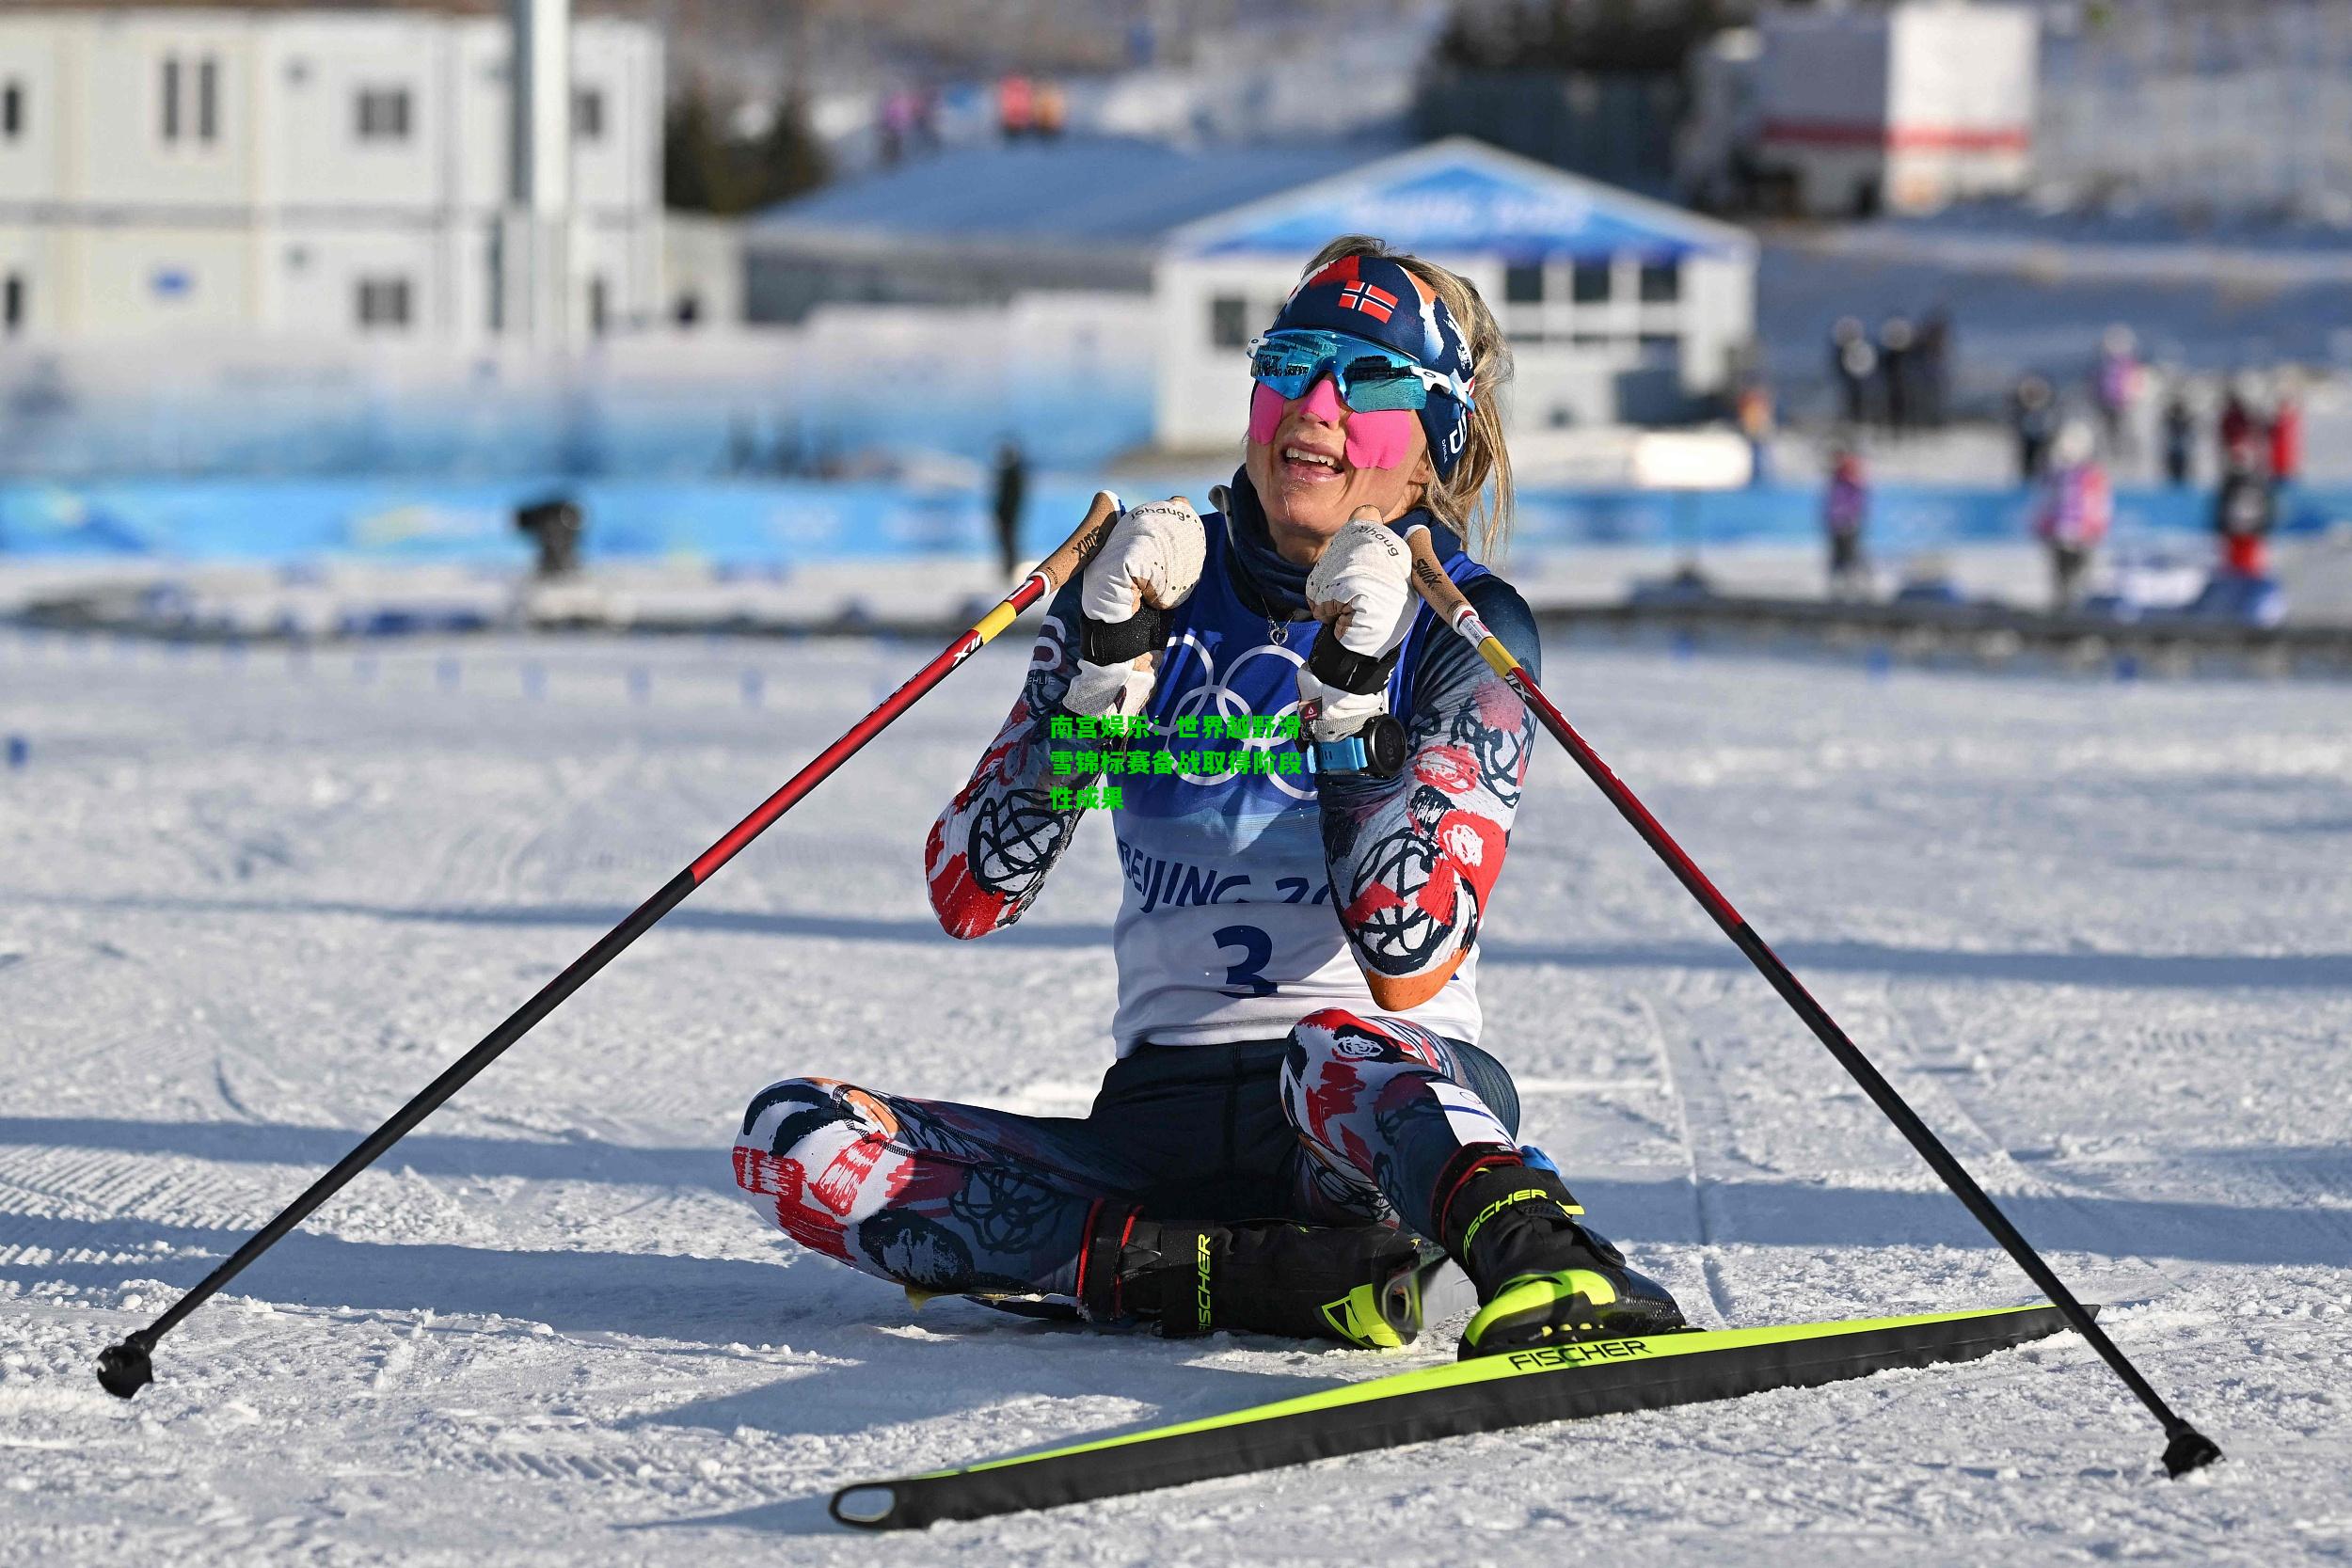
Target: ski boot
[
  {"x": 1364, "y": 1284},
  {"x": 1542, "y": 1278}
]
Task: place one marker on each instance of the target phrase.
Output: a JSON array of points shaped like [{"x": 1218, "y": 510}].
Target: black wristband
[
  {"x": 1122, "y": 642},
  {"x": 1354, "y": 673}
]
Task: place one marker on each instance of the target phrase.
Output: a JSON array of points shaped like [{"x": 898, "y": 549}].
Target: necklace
[
  {"x": 1278, "y": 622},
  {"x": 1278, "y": 625}
]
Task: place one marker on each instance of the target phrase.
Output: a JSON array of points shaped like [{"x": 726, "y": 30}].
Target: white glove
[
  {"x": 1363, "y": 588},
  {"x": 1153, "y": 557}
]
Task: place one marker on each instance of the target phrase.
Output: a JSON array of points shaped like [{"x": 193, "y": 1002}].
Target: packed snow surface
[{"x": 250, "y": 902}]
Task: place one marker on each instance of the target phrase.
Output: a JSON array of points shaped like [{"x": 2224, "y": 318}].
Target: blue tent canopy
[{"x": 1467, "y": 199}]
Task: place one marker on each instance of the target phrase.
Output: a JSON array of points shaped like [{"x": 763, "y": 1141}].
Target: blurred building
[
  {"x": 1166, "y": 261},
  {"x": 1900, "y": 108},
  {"x": 702, "y": 272},
  {"x": 325, "y": 175},
  {"x": 1618, "y": 309},
  {"x": 2204, "y": 106}
]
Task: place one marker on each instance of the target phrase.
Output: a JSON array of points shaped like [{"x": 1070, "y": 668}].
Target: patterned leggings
[{"x": 1347, "y": 1121}]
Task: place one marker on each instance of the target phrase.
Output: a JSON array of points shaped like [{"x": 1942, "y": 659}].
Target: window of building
[
  {"x": 1662, "y": 283},
  {"x": 1662, "y": 350},
  {"x": 599, "y": 306},
  {"x": 1229, "y": 322},
  {"x": 588, "y": 114},
  {"x": 11, "y": 110},
  {"x": 12, "y": 304},
  {"x": 382, "y": 114},
  {"x": 170, "y": 124},
  {"x": 1590, "y": 283},
  {"x": 1523, "y": 285},
  {"x": 208, "y": 100},
  {"x": 384, "y": 303}
]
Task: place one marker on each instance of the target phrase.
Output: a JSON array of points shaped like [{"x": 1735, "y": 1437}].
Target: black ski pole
[
  {"x": 2186, "y": 1449},
  {"x": 126, "y": 1368}
]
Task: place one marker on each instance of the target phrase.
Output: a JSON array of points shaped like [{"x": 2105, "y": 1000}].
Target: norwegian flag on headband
[
  {"x": 1373, "y": 298},
  {"x": 1376, "y": 303}
]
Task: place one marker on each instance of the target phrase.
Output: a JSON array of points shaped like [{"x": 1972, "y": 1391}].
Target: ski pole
[
  {"x": 2186, "y": 1449},
  {"x": 126, "y": 1368}
]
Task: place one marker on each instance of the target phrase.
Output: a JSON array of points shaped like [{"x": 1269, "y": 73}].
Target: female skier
[{"x": 1300, "y": 1124}]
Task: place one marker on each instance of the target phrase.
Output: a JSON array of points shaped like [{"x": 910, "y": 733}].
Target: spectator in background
[
  {"x": 1016, "y": 107},
  {"x": 1753, "y": 409},
  {"x": 2286, "y": 433},
  {"x": 2180, "y": 430},
  {"x": 2072, "y": 510},
  {"x": 2235, "y": 429},
  {"x": 898, "y": 123},
  {"x": 1845, "y": 519},
  {"x": 927, "y": 117},
  {"x": 2242, "y": 511},
  {"x": 2116, "y": 387},
  {"x": 1896, "y": 369},
  {"x": 1934, "y": 356},
  {"x": 1852, "y": 362},
  {"x": 2034, "y": 415},
  {"x": 1049, "y": 110},
  {"x": 1012, "y": 487}
]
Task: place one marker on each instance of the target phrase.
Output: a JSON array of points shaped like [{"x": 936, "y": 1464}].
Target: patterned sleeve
[
  {"x": 1413, "y": 859},
  {"x": 990, "y": 851}
]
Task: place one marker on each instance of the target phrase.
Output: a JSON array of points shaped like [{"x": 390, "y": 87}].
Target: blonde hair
[{"x": 1475, "y": 501}]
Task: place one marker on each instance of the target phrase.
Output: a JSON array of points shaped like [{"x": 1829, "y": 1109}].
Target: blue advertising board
[{"x": 791, "y": 522}]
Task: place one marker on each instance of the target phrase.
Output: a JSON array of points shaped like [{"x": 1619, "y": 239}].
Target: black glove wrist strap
[
  {"x": 1359, "y": 674},
  {"x": 1122, "y": 642}
]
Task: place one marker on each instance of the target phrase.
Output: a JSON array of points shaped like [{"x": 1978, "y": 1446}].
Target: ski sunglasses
[{"x": 1369, "y": 376}]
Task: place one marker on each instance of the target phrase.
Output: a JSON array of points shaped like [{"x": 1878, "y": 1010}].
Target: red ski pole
[
  {"x": 2188, "y": 1448},
  {"x": 126, "y": 1368}
]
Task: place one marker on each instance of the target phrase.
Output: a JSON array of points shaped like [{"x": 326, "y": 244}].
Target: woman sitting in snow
[{"x": 1300, "y": 1125}]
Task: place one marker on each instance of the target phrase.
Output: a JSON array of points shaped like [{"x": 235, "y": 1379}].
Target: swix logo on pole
[{"x": 1376, "y": 303}]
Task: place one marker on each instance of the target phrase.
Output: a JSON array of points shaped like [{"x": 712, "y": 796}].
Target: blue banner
[{"x": 785, "y": 523}]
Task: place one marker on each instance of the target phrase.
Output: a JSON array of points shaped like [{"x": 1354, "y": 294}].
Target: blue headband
[{"x": 1373, "y": 298}]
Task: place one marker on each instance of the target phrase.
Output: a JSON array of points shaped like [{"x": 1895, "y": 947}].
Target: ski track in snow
[{"x": 2095, "y": 931}]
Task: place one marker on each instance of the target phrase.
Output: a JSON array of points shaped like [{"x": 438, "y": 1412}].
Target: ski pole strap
[
  {"x": 1361, "y": 675},
  {"x": 1119, "y": 641}
]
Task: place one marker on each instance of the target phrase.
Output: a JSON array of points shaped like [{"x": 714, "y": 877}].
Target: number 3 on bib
[{"x": 1248, "y": 976}]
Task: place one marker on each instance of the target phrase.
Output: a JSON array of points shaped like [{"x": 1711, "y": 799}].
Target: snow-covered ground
[{"x": 248, "y": 906}]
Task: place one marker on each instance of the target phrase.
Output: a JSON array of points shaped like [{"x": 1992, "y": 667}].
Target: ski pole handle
[
  {"x": 1051, "y": 575},
  {"x": 1070, "y": 556},
  {"x": 1452, "y": 606}
]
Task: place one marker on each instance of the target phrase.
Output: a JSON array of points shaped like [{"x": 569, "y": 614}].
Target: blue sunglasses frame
[{"x": 1369, "y": 377}]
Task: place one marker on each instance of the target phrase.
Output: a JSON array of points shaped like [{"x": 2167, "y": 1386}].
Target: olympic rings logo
[{"x": 1217, "y": 699}]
